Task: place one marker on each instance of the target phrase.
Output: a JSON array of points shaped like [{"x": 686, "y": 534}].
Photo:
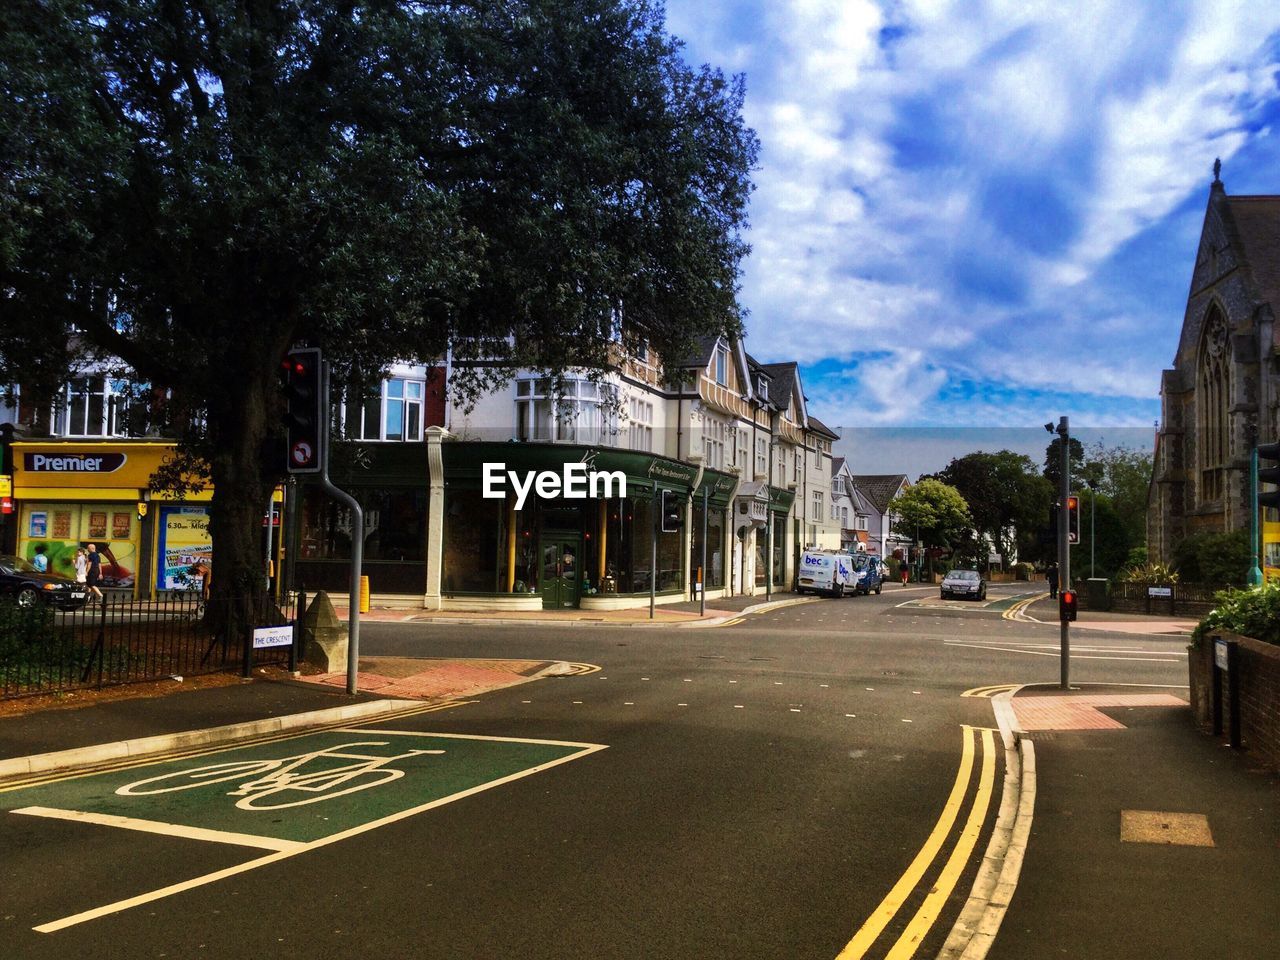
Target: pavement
[
  {"x": 1127, "y": 794},
  {"x": 1044, "y": 610},
  {"x": 684, "y": 614}
]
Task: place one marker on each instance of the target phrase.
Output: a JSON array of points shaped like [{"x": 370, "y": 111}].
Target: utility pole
[{"x": 1064, "y": 546}]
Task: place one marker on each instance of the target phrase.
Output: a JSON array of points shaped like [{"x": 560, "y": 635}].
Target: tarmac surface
[{"x": 1149, "y": 838}]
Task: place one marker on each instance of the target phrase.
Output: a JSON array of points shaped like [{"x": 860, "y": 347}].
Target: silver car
[{"x": 964, "y": 585}]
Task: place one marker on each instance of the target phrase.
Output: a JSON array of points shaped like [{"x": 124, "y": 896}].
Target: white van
[{"x": 826, "y": 571}]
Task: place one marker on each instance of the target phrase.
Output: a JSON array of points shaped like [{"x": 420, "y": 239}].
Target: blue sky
[{"x": 984, "y": 214}]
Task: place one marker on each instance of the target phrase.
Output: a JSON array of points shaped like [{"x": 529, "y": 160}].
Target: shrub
[
  {"x": 1251, "y": 612},
  {"x": 1149, "y": 573},
  {"x": 1024, "y": 571},
  {"x": 1222, "y": 558}
]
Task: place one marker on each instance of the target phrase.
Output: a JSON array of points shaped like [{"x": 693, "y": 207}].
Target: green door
[{"x": 560, "y": 572}]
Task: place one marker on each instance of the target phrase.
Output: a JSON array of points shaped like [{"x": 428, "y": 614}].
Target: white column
[{"x": 435, "y": 514}]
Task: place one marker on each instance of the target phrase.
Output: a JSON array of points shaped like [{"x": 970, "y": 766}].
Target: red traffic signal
[
  {"x": 1068, "y": 605},
  {"x": 304, "y": 408},
  {"x": 1073, "y": 519}
]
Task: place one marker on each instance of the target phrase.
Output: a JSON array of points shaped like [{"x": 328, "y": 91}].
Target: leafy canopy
[{"x": 934, "y": 510}]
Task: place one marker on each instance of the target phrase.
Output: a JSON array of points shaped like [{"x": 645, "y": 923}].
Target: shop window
[
  {"x": 713, "y": 574},
  {"x": 392, "y": 414},
  {"x": 474, "y": 537}
]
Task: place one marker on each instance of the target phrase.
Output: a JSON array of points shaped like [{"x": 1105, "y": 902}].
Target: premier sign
[
  {"x": 73, "y": 462},
  {"x": 575, "y": 482}
]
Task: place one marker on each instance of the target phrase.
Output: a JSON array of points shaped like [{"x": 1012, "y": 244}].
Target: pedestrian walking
[
  {"x": 1051, "y": 577},
  {"x": 41, "y": 560},
  {"x": 81, "y": 563},
  {"x": 904, "y": 571},
  {"x": 94, "y": 573}
]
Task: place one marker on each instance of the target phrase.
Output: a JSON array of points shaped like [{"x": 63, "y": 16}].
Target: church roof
[{"x": 1256, "y": 220}]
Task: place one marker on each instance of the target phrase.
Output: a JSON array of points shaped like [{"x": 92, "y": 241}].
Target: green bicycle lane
[{"x": 286, "y": 796}]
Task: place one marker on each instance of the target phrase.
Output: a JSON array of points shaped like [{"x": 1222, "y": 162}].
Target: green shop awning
[{"x": 464, "y": 463}]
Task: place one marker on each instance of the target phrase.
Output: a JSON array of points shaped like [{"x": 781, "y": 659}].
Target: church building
[{"x": 1222, "y": 395}]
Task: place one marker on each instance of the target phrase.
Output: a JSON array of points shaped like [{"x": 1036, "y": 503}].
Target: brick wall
[{"x": 1259, "y": 668}]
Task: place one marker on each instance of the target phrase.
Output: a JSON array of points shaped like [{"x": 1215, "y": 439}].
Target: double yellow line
[
  {"x": 927, "y": 914},
  {"x": 1016, "y": 611}
]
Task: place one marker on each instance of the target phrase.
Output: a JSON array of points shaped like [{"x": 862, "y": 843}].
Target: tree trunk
[{"x": 242, "y": 484}]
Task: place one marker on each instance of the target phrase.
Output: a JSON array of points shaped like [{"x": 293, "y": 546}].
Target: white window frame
[
  {"x": 110, "y": 414},
  {"x": 720, "y": 366},
  {"x": 407, "y": 392},
  {"x": 584, "y": 413}
]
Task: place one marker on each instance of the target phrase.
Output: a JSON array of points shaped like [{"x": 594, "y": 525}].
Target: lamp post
[{"x": 1093, "y": 499}]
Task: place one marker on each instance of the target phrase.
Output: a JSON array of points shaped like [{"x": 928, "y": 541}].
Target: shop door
[{"x": 560, "y": 573}]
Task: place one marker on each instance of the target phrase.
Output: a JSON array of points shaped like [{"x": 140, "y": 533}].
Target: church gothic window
[{"x": 1213, "y": 398}]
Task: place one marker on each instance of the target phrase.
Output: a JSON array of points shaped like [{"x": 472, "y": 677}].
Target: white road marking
[
  {"x": 1043, "y": 653},
  {"x": 164, "y": 829},
  {"x": 585, "y": 750}
]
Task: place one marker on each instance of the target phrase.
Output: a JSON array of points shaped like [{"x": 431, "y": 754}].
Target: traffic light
[
  {"x": 1068, "y": 606},
  {"x": 1073, "y": 521},
  {"x": 672, "y": 512},
  {"x": 304, "y": 408},
  {"x": 1271, "y": 498}
]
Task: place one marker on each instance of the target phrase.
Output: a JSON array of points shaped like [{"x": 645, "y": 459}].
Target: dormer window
[
  {"x": 722, "y": 365},
  {"x": 762, "y": 389}
]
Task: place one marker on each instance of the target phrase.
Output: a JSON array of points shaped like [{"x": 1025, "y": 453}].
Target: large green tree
[
  {"x": 190, "y": 188},
  {"x": 1007, "y": 497},
  {"x": 933, "y": 512}
]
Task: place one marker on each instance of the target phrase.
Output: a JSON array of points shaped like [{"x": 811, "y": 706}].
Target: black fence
[
  {"x": 121, "y": 640},
  {"x": 1173, "y": 599}
]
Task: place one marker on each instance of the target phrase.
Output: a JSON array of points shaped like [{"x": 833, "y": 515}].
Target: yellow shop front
[{"x": 68, "y": 494}]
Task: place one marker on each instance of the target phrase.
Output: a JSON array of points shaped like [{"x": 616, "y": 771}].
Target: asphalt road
[{"x": 761, "y": 790}]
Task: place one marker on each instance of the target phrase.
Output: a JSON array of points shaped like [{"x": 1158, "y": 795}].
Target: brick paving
[
  {"x": 438, "y": 680},
  {"x": 1081, "y": 712}
]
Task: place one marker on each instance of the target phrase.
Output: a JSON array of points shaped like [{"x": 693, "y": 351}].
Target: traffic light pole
[
  {"x": 653, "y": 537},
  {"x": 1255, "y": 571},
  {"x": 357, "y": 534},
  {"x": 1064, "y": 546}
]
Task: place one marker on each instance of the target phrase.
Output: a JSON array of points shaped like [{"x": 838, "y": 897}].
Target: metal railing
[{"x": 121, "y": 640}]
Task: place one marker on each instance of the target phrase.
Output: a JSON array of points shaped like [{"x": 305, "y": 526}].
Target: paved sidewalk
[
  {"x": 108, "y": 722},
  {"x": 685, "y": 613},
  {"x": 1046, "y": 611},
  {"x": 1112, "y": 870},
  {"x": 257, "y": 702}
]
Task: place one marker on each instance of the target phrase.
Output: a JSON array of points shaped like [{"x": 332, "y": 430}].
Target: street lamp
[{"x": 1093, "y": 499}]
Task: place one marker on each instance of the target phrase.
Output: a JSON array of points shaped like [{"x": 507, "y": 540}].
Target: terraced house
[{"x": 730, "y": 438}]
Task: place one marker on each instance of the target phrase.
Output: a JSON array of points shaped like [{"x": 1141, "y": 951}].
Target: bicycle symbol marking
[{"x": 263, "y": 780}]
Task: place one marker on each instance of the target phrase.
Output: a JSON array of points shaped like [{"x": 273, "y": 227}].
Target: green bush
[
  {"x": 1024, "y": 571},
  {"x": 1222, "y": 558},
  {"x": 21, "y": 627},
  {"x": 1251, "y": 612}
]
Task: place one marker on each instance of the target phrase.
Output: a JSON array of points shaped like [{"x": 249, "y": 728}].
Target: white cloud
[{"x": 880, "y": 224}]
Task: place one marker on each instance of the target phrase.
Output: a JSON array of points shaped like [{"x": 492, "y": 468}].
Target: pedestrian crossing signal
[
  {"x": 1068, "y": 606},
  {"x": 1073, "y": 519}
]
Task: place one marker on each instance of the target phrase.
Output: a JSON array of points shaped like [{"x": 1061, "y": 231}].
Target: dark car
[
  {"x": 20, "y": 580},
  {"x": 964, "y": 584},
  {"x": 869, "y": 576}
]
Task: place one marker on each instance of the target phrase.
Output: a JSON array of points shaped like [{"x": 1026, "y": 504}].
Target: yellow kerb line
[
  {"x": 896, "y": 897},
  {"x": 927, "y": 915}
]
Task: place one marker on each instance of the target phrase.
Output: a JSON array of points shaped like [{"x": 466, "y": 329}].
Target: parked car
[
  {"x": 22, "y": 581},
  {"x": 826, "y": 571},
  {"x": 964, "y": 584},
  {"x": 869, "y": 575}
]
